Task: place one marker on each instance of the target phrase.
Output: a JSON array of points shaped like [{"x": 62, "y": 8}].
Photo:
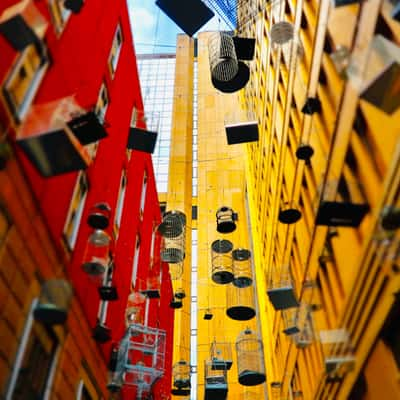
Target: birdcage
[
  {"x": 240, "y": 303},
  {"x": 115, "y": 370},
  {"x": 221, "y": 355},
  {"x": 343, "y": 204},
  {"x": 250, "y": 359},
  {"x": 54, "y": 301},
  {"x": 216, "y": 383},
  {"x": 338, "y": 352},
  {"x": 143, "y": 131},
  {"x": 22, "y": 24},
  {"x": 280, "y": 288},
  {"x": 241, "y": 128},
  {"x": 281, "y": 32},
  {"x": 99, "y": 216},
  {"x": 74, "y": 5},
  {"x": 242, "y": 270},
  {"x": 221, "y": 261},
  {"x": 143, "y": 352},
  {"x": 49, "y": 142},
  {"x": 97, "y": 253},
  {"x": 222, "y": 55},
  {"x": 151, "y": 286},
  {"x": 176, "y": 302},
  {"x": 305, "y": 336},
  {"x": 291, "y": 321},
  {"x": 180, "y": 293},
  {"x": 134, "y": 312},
  {"x": 181, "y": 378},
  {"x": 172, "y": 230},
  {"x": 226, "y": 220},
  {"x": 375, "y": 72},
  {"x": 175, "y": 270},
  {"x": 390, "y": 218},
  {"x": 304, "y": 152}
]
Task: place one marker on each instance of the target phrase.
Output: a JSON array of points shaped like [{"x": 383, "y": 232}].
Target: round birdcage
[
  {"x": 97, "y": 257},
  {"x": 242, "y": 272},
  {"x": 222, "y": 55},
  {"x": 54, "y": 301},
  {"x": 221, "y": 261},
  {"x": 134, "y": 312},
  {"x": 226, "y": 218},
  {"x": 289, "y": 214},
  {"x": 172, "y": 230},
  {"x": 240, "y": 303},
  {"x": 250, "y": 359},
  {"x": 281, "y": 33}
]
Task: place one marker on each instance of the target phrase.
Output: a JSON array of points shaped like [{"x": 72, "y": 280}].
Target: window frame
[
  {"x": 120, "y": 202},
  {"x": 20, "y": 110},
  {"x": 71, "y": 238},
  {"x": 143, "y": 194},
  {"x": 23, "y": 344},
  {"x": 102, "y": 103},
  {"x": 59, "y": 15},
  {"x": 115, "y": 50},
  {"x": 135, "y": 263}
]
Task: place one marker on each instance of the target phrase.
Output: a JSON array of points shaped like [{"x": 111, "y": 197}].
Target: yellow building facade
[{"x": 325, "y": 286}]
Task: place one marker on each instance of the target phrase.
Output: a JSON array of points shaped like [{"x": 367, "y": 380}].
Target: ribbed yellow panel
[
  {"x": 179, "y": 196},
  {"x": 354, "y": 142},
  {"x": 221, "y": 180}
]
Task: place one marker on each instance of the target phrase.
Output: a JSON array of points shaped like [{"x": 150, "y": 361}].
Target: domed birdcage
[
  {"x": 221, "y": 261},
  {"x": 242, "y": 272},
  {"x": 240, "y": 303},
  {"x": 281, "y": 33},
  {"x": 54, "y": 301},
  {"x": 226, "y": 220},
  {"x": 216, "y": 382},
  {"x": 97, "y": 253},
  {"x": 172, "y": 230},
  {"x": 223, "y": 61},
  {"x": 250, "y": 359},
  {"x": 134, "y": 312}
]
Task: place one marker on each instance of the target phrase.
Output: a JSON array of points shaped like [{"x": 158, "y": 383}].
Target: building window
[
  {"x": 135, "y": 262},
  {"x": 143, "y": 195},
  {"x": 35, "y": 363},
  {"x": 115, "y": 50},
  {"x": 75, "y": 211},
  {"x": 83, "y": 392},
  {"x": 120, "y": 203},
  {"x": 24, "y": 79},
  {"x": 59, "y": 14},
  {"x": 102, "y": 102}
]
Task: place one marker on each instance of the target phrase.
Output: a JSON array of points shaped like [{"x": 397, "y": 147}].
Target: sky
[{"x": 153, "y": 31}]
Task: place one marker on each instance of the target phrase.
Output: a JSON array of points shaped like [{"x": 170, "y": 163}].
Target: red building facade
[{"x": 78, "y": 55}]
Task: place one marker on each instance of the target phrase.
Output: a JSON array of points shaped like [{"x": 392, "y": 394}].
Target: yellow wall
[{"x": 353, "y": 290}]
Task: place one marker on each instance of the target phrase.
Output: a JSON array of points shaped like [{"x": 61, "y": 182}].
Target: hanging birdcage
[
  {"x": 115, "y": 370},
  {"x": 107, "y": 291},
  {"x": 338, "y": 353},
  {"x": 175, "y": 270},
  {"x": 151, "y": 286},
  {"x": 134, "y": 312},
  {"x": 280, "y": 288},
  {"x": 343, "y": 203},
  {"x": 226, "y": 220},
  {"x": 242, "y": 270},
  {"x": 216, "y": 383},
  {"x": 289, "y": 213},
  {"x": 290, "y": 321},
  {"x": 281, "y": 32},
  {"x": 306, "y": 335},
  {"x": 172, "y": 230},
  {"x": 99, "y": 216},
  {"x": 143, "y": 131},
  {"x": 97, "y": 253},
  {"x": 221, "y": 261},
  {"x": 222, "y": 56},
  {"x": 221, "y": 355},
  {"x": 240, "y": 303},
  {"x": 54, "y": 301},
  {"x": 181, "y": 378},
  {"x": 250, "y": 359},
  {"x": 241, "y": 128}
]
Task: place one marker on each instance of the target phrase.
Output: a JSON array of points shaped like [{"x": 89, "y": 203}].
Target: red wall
[{"x": 79, "y": 66}]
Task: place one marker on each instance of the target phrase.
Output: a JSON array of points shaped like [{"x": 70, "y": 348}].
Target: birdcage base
[
  {"x": 238, "y": 82},
  {"x": 289, "y": 215},
  {"x": 108, "y": 293},
  {"x": 334, "y": 213},
  {"x": 242, "y": 281},
  {"x": 390, "y": 218},
  {"x": 94, "y": 268},
  {"x": 114, "y": 387},
  {"x": 176, "y": 304},
  {"x": 291, "y": 330},
  {"x": 180, "y": 392},
  {"x": 182, "y": 383},
  {"x": 152, "y": 293},
  {"x": 98, "y": 221},
  {"x": 221, "y": 364},
  {"x": 87, "y": 128},
  {"x": 73, "y": 5},
  {"x": 50, "y": 314},
  {"x": 208, "y": 316},
  {"x": 222, "y": 277},
  {"x": 251, "y": 378},
  {"x": 101, "y": 333},
  {"x": 241, "y": 313},
  {"x": 282, "y": 298},
  {"x": 226, "y": 227},
  {"x": 216, "y": 393},
  {"x": 172, "y": 255}
]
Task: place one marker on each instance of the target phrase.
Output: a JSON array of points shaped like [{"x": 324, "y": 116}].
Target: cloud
[{"x": 143, "y": 22}]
